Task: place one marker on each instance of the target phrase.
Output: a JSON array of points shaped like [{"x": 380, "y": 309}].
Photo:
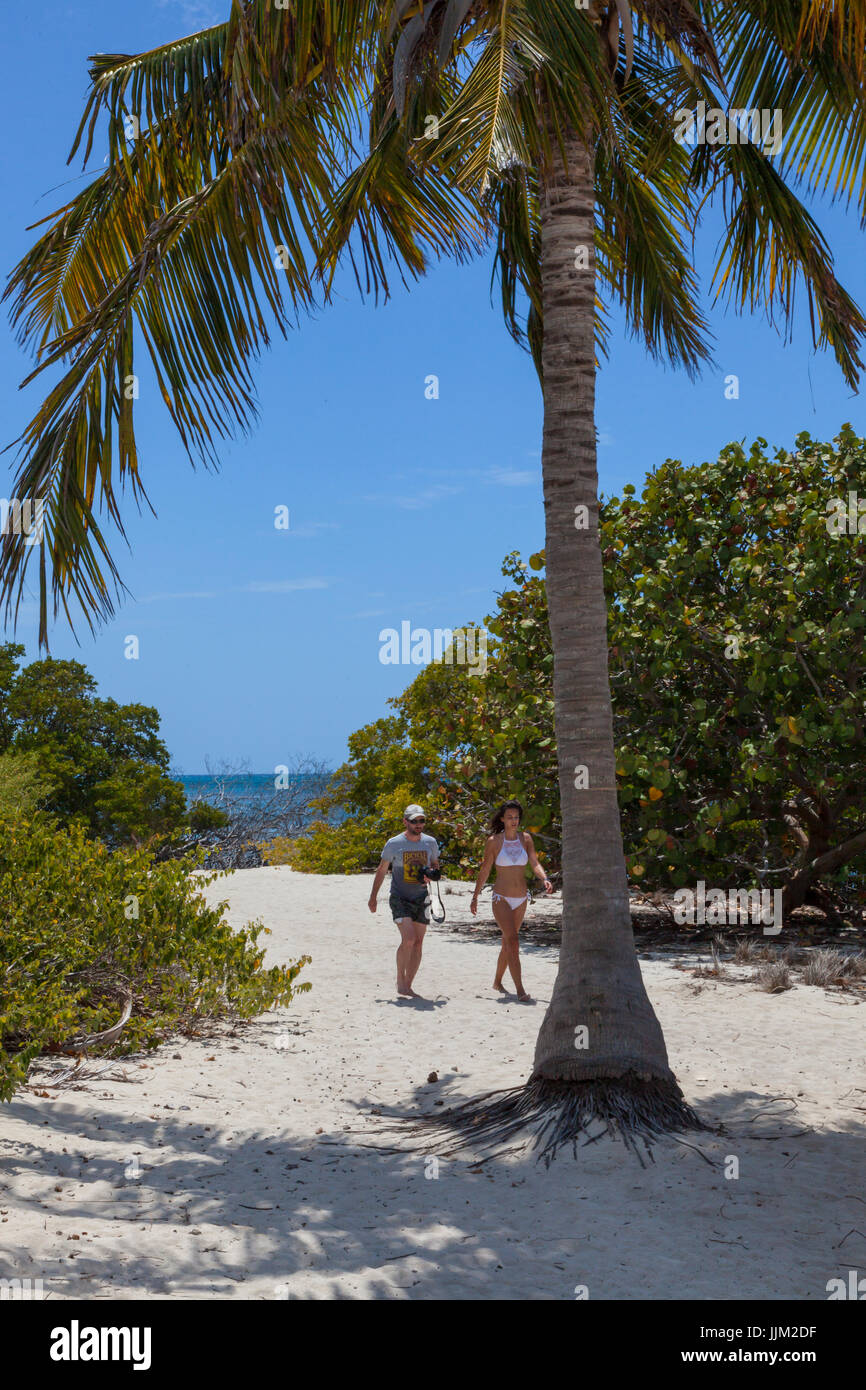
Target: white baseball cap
[{"x": 412, "y": 811}]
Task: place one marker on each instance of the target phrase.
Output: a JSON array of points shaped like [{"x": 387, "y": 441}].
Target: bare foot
[
  {"x": 497, "y": 984},
  {"x": 524, "y": 998},
  {"x": 403, "y": 989}
]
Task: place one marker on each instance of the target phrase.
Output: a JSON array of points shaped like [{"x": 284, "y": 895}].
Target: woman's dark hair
[{"x": 498, "y": 823}]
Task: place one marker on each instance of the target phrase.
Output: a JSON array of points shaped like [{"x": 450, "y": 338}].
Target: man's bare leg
[
  {"x": 405, "y": 952},
  {"x": 415, "y": 958}
]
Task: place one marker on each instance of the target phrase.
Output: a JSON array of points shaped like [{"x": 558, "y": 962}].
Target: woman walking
[{"x": 510, "y": 849}]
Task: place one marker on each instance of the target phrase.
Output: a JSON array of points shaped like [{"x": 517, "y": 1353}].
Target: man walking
[{"x": 409, "y": 856}]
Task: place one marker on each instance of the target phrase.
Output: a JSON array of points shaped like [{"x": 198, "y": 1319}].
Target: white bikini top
[{"x": 513, "y": 851}]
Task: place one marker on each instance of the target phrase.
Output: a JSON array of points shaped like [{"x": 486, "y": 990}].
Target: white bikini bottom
[{"x": 512, "y": 902}]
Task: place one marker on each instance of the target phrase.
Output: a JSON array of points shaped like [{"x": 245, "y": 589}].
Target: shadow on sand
[{"x": 356, "y": 1214}]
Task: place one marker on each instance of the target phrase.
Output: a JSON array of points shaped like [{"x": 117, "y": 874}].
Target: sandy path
[{"x": 237, "y": 1167}]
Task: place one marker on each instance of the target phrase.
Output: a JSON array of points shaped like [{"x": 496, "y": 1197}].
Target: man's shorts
[{"x": 417, "y": 909}]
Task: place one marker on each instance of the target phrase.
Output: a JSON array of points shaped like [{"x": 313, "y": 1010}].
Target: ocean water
[
  {"x": 252, "y": 794},
  {"x": 252, "y": 786}
]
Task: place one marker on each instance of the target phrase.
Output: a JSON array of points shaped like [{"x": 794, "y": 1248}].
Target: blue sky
[{"x": 257, "y": 643}]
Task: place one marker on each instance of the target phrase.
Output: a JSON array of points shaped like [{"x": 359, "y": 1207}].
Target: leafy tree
[
  {"x": 10, "y": 657},
  {"x": 137, "y": 804},
  {"x": 392, "y": 762},
  {"x": 99, "y": 762},
  {"x": 355, "y": 844},
  {"x": 22, "y": 785},
  {"x": 547, "y": 134},
  {"x": 379, "y": 760}
]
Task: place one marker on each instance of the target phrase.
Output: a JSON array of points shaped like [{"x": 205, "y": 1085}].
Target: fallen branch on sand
[{"x": 82, "y": 1041}]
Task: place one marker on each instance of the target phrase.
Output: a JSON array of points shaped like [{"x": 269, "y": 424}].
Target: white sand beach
[{"x": 249, "y": 1165}]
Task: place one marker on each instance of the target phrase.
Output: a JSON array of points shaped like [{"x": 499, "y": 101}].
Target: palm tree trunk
[
  {"x": 600, "y": 1055},
  {"x": 599, "y": 986}
]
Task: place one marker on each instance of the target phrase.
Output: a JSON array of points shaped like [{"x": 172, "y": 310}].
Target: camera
[{"x": 431, "y": 873}]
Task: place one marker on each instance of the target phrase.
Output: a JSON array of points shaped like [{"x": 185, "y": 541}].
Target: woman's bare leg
[
  {"x": 509, "y": 921},
  {"x": 501, "y": 962},
  {"x": 500, "y": 970}
]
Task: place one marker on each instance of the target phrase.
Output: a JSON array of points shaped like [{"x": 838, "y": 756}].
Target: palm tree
[{"x": 547, "y": 126}]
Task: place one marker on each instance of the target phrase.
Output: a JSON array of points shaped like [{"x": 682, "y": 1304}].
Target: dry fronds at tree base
[
  {"x": 826, "y": 969},
  {"x": 550, "y": 1114}
]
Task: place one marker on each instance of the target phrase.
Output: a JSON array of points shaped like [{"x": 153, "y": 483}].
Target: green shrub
[
  {"x": 82, "y": 928},
  {"x": 137, "y": 806},
  {"x": 356, "y": 844},
  {"x": 201, "y": 815},
  {"x": 277, "y": 851},
  {"x": 330, "y": 849}
]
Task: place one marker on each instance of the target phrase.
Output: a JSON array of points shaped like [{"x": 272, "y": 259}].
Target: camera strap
[{"x": 430, "y": 886}]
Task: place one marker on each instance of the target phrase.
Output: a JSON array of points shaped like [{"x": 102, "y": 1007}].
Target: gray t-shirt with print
[{"x": 407, "y": 858}]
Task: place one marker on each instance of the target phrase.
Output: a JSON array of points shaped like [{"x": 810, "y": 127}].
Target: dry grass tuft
[
  {"x": 749, "y": 950},
  {"x": 715, "y": 970},
  {"x": 773, "y": 977},
  {"x": 828, "y": 968},
  {"x": 795, "y": 955}
]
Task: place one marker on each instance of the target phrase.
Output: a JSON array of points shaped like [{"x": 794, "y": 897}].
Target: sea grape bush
[
  {"x": 736, "y": 626},
  {"x": 736, "y": 629}
]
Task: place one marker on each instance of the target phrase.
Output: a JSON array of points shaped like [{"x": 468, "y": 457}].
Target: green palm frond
[
  {"x": 576, "y": 85},
  {"x": 152, "y": 88},
  {"x": 644, "y": 224},
  {"x": 72, "y": 266},
  {"x": 388, "y": 210},
  {"x": 207, "y": 274},
  {"x": 480, "y": 134},
  {"x": 780, "y": 57},
  {"x": 517, "y": 262},
  {"x": 771, "y": 244},
  {"x": 240, "y": 71},
  {"x": 841, "y": 23},
  {"x": 644, "y": 262},
  {"x": 645, "y": 217}
]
